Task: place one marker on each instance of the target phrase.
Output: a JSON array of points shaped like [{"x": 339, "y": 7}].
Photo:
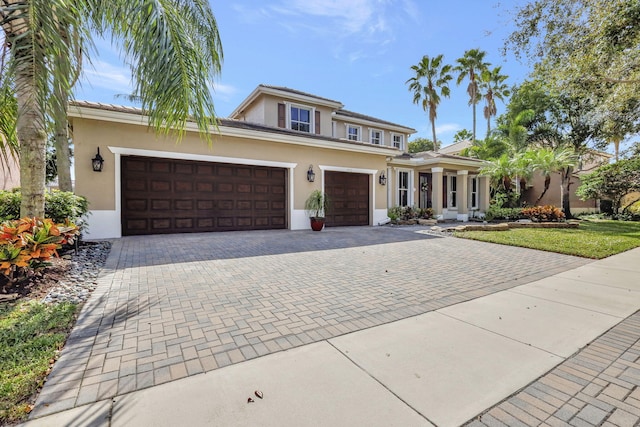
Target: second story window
[
  {"x": 398, "y": 141},
  {"x": 353, "y": 133},
  {"x": 376, "y": 137},
  {"x": 300, "y": 119}
]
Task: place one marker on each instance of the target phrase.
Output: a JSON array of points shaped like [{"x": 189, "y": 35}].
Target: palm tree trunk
[
  {"x": 473, "y": 106},
  {"x": 566, "y": 192},
  {"x": 547, "y": 182},
  {"x": 61, "y": 143},
  {"x": 436, "y": 146},
  {"x": 30, "y": 128}
]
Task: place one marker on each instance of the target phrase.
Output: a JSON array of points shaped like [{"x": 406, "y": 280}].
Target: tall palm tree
[
  {"x": 493, "y": 85},
  {"x": 471, "y": 66},
  {"x": 173, "y": 47},
  {"x": 431, "y": 76}
]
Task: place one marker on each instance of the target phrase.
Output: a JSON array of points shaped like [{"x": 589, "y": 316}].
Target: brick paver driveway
[{"x": 171, "y": 306}]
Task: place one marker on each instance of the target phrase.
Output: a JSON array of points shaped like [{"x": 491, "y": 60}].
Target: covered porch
[{"x": 450, "y": 185}]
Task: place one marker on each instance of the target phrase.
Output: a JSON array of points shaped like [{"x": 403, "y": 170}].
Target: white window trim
[
  {"x": 410, "y": 201},
  {"x": 359, "y": 128},
  {"x": 471, "y": 180},
  {"x": 312, "y": 115},
  {"x": 393, "y": 135},
  {"x": 371, "y": 131},
  {"x": 450, "y": 193}
]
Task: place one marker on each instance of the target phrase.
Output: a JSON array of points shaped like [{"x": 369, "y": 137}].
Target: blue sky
[{"x": 358, "y": 52}]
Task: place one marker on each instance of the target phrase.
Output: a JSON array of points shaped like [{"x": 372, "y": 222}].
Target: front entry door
[{"x": 425, "y": 190}]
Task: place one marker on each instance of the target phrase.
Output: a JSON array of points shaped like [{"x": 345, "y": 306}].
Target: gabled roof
[
  {"x": 286, "y": 93},
  {"x": 456, "y": 147},
  {"x": 346, "y": 114},
  {"x": 298, "y": 92}
]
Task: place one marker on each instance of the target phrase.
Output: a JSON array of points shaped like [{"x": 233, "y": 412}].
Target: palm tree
[
  {"x": 435, "y": 76},
  {"x": 492, "y": 83},
  {"x": 501, "y": 172},
  {"x": 547, "y": 161},
  {"x": 173, "y": 47},
  {"x": 471, "y": 66}
]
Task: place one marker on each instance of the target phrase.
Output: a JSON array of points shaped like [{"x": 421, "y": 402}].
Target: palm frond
[{"x": 176, "y": 51}]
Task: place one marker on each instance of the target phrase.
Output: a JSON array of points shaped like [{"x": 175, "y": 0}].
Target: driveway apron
[{"x": 171, "y": 306}]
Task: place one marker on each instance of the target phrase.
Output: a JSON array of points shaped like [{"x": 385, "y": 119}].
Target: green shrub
[
  {"x": 10, "y": 205},
  {"x": 546, "y": 213},
  {"x": 58, "y": 205},
  {"x": 409, "y": 212},
  {"x": 497, "y": 213},
  {"x": 61, "y": 205}
]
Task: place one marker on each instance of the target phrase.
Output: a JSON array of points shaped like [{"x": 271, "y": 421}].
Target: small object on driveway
[
  {"x": 250, "y": 400},
  {"x": 259, "y": 394}
]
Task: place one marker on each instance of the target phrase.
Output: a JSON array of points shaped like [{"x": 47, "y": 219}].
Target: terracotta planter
[{"x": 317, "y": 224}]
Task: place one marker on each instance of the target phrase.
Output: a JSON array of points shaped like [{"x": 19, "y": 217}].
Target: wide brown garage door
[
  {"x": 349, "y": 197},
  {"x": 181, "y": 196}
]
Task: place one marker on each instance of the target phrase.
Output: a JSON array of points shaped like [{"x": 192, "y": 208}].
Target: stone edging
[{"x": 509, "y": 225}]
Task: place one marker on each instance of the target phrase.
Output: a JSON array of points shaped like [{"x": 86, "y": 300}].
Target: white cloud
[
  {"x": 447, "y": 128},
  {"x": 360, "y": 22},
  {"x": 108, "y": 76},
  {"x": 225, "y": 89},
  {"x": 250, "y": 14}
]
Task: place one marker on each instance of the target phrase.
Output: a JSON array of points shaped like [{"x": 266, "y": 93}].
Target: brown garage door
[
  {"x": 349, "y": 197},
  {"x": 181, "y": 196}
]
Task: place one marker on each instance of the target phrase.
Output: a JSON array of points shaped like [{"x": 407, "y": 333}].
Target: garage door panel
[
  {"x": 167, "y": 196},
  {"x": 349, "y": 198},
  {"x": 224, "y": 187},
  {"x": 160, "y": 205},
  {"x": 158, "y": 186}
]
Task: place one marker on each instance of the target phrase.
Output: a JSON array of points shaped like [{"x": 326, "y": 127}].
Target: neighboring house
[
  {"x": 257, "y": 172},
  {"x": 9, "y": 174},
  {"x": 553, "y": 196},
  {"x": 534, "y": 187}
]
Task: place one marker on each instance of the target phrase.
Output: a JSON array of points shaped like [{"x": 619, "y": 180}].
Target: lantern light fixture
[
  {"x": 382, "y": 179},
  {"x": 311, "y": 176},
  {"x": 97, "y": 162}
]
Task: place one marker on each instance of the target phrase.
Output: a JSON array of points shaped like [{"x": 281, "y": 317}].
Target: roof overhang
[
  {"x": 264, "y": 90},
  {"x": 373, "y": 124},
  {"x": 133, "y": 116},
  {"x": 436, "y": 161}
]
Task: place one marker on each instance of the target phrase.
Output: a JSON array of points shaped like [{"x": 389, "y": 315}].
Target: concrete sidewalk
[{"x": 441, "y": 368}]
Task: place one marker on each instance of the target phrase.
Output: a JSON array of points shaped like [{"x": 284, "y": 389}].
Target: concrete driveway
[{"x": 169, "y": 307}]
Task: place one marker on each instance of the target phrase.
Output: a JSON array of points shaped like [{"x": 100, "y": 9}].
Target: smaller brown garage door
[
  {"x": 182, "y": 196},
  {"x": 349, "y": 197}
]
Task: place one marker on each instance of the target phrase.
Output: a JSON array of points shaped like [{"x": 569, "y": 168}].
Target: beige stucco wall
[
  {"x": 99, "y": 188},
  {"x": 9, "y": 174},
  {"x": 341, "y": 132},
  {"x": 255, "y": 113},
  {"x": 553, "y": 195}
]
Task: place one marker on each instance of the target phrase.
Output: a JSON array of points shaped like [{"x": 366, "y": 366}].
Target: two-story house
[{"x": 276, "y": 147}]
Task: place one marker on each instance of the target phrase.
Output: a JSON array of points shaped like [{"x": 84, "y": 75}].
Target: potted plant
[{"x": 316, "y": 205}]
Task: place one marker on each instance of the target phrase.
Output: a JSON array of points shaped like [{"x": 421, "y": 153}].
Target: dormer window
[
  {"x": 353, "y": 133},
  {"x": 375, "y": 137},
  {"x": 300, "y": 119}
]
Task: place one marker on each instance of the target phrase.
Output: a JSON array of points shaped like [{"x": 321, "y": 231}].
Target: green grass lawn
[
  {"x": 30, "y": 335},
  {"x": 592, "y": 239}
]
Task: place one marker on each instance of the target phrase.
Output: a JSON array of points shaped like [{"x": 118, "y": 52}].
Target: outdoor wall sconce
[
  {"x": 97, "y": 162},
  {"x": 383, "y": 179},
  {"x": 311, "y": 176}
]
